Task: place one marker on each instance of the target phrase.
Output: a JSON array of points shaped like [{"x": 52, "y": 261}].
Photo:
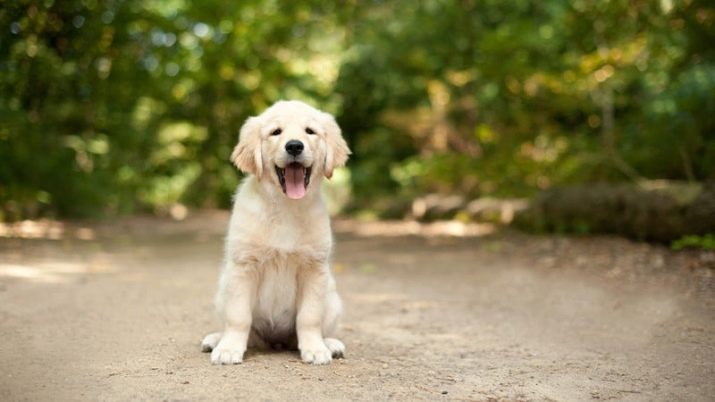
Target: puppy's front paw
[
  {"x": 316, "y": 354},
  {"x": 227, "y": 356},
  {"x": 228, "y": 351}
]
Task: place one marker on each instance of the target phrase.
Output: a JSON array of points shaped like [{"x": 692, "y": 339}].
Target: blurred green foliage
[
  {"x": 116, "y": 106},
  {"x": 704, "y": 242}
]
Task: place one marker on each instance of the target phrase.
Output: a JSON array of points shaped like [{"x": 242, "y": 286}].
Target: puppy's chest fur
[{"x": 275, "y": 311}]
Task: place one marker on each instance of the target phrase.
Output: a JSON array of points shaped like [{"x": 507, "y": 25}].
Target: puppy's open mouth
[{"x": 294, "y": 179}]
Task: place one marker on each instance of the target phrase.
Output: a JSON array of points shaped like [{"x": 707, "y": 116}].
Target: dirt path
[{"x": 116, "y": 312}]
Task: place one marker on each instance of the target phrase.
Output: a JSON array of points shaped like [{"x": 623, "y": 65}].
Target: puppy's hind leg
[
  {"x": 331, "y": 320},
  {"x": 336, "y": 347},
  {"x": 210, "y": 341}
]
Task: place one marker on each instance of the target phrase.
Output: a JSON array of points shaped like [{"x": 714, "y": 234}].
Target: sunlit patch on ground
[
  {"x": 402, "y": 228},
  {"x": 44, "y": 229},
  {"x": 52, "y": 272},
  {"x": 36, "y": 266}
]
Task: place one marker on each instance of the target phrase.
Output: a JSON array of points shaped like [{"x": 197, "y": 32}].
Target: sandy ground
[{"x": 115, "y": 311}]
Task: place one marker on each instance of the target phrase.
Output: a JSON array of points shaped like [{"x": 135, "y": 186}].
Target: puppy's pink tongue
[{"x": 295, "y": 181}]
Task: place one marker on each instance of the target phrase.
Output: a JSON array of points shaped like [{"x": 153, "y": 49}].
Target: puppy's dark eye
[
  {"x": 309, "y": 130},
  {"x": 277, "y": 131}
]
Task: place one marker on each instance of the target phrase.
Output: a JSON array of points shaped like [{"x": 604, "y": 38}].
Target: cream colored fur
[{"x": 276, "y": 287}]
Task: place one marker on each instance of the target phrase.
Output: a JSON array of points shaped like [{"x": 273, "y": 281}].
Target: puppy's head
[{"x": 289, "y": 145}]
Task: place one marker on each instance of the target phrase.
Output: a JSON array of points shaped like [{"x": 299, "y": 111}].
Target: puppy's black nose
[{"x": 294, "y": 147}]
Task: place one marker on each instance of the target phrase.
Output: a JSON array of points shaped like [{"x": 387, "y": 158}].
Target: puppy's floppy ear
[
  {"x": 247, "y": 154},
  {"x": 337, "y": 151}
]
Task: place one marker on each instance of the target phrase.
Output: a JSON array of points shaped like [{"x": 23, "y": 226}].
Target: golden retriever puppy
[{"x": 276, "y": 287}]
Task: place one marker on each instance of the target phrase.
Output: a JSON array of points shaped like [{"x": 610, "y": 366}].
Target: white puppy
[{"x": 276, "y": 287}]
